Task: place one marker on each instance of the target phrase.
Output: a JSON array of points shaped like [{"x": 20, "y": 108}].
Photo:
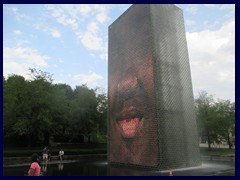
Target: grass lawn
[{"x": 217, "y": 151}]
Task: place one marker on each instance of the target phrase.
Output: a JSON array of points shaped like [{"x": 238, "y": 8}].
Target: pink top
[{"x": 37, "y": 169}]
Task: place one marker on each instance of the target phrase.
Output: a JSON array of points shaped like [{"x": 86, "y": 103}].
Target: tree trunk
[
  {"x": 209, "y": 140},
  {"x": 29, "y": 140},
  {"x": 229, "y": 142}
]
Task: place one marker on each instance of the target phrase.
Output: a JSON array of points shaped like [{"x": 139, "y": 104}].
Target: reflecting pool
[{"x": 100, "y": 167}]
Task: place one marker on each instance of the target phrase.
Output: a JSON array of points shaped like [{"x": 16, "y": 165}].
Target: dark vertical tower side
[
  {"x": 177, "y": 131},
  {"x": 190, "y": 125}
]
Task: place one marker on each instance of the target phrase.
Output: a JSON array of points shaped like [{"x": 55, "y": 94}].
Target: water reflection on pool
[
  {"x": 100, "y": 167},
  {"x": 63, "y": 168}
]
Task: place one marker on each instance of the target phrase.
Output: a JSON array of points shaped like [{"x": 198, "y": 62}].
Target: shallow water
[
  {"x": 100, "y": 167},
  {"x": 62, "y": 168}
]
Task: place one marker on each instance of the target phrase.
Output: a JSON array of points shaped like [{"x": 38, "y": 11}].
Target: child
[{"x": 61, "y": 153}]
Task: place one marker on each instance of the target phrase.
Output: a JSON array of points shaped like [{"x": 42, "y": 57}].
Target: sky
[{"x": 70, "y": 41}]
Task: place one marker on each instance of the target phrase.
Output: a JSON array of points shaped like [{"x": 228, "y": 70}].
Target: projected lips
[
  {"x": 130, "y": 121},
  {"x": 129, "y": 126},
  {"x": 130, "y": 98}
]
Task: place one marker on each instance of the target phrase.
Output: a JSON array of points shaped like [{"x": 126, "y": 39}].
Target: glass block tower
[{"x": 151, "y": 120}]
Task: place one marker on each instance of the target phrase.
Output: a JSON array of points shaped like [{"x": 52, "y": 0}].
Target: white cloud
[
  {"x": 212, "y": 59},
  {"x": 14, "y": 10},
  {"x": 101, "y": 7},
  {"x": 84, "y": 9},
  {"x": 211, "y": 24},
  {"x": 19, "y": 16},
  {"x": 58, "y": 81},
  {"x": 228, "y": 6},
  {"x": 18, "y": 60},
  {"x": 226, "y": 77},
  {"x": 60, "y": 60},
  {"x": 15, "y": 68},
  {"x": 90, "y": 39},
  {"x": 19, "y": 42},
  {"x": 93, "y": 28},
  {"x": 65, "y": 14},
  {"x": 55, "y": 33},
  {"x": 87, "y": 78},
  {"x": 62, "y": 20},
  {"x": 221, "y": 6},
  {"x": 192, "y": 8},
  {"x": 72, "y": 23},
  {"x": 72, "y": 15},
  {"x": 93, "y": 55},
  {"x": 190, "y": 22},
  {"x": 101, "y": 17},
  {"x": 46, "y": 28},
  {"x": 211, "y": 5},
  {"x": 68, "y": 21},
  {"x": 104, "y": 56},
  {"x": 17, "y": 32}
]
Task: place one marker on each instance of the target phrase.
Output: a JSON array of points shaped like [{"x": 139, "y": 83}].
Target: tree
[
  {"x": 36, "y": 109},
  {"x": 226, "y": 120},
  {"x": 40, "y": 95},
  {"x": 102, "y": 110},
  {"x": 215, "y": 119},
  {"x": 15, "y": 106},
  {"x": 205, "y": 116},
  {"x": 60, "y": 110},
  {"x": 27, "y": 107},
  {"x": 40, "y": 75},
  {"x": 84, "y": 112}
]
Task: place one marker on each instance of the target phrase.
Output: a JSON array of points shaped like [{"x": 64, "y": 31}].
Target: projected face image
[
  {"x": 132, "y": 108},
  {"x": 130, "y": 101},
  {"x": 133, "y": 128}
]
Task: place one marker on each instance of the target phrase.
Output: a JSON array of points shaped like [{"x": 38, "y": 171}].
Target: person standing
[
  {"x": 45, "y": 154},
  {"x": 35, "y": 169},
  {"x": 49, "y": 155},
  {"x": 61, "y": 153}
]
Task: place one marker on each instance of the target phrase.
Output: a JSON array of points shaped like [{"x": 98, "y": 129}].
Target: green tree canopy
[{"x": 215, "y": 119}]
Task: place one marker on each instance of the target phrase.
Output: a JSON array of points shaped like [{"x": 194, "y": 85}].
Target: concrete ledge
[
  {"x": 23, "y": 160},
  {"x": 26, "y": 160}
]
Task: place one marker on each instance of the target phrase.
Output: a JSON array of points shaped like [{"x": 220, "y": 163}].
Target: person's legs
[{"x": 45, "y": 157}]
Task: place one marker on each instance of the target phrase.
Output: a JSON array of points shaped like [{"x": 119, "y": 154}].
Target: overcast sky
[{"x": 70, "y": 41}]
